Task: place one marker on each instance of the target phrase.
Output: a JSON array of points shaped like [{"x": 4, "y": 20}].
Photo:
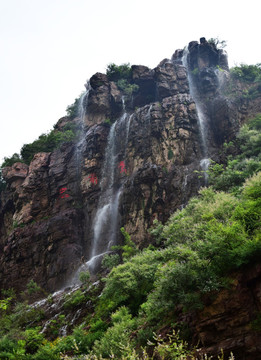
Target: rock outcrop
[{"x": 49, "y": 207}]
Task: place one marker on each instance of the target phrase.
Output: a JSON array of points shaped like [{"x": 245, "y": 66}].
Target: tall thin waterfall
[
  {"x": 204, "y": 162},
  {"x": 105, "y": 224}
]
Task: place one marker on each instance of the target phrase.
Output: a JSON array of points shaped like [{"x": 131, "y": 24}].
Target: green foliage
[
  {"x": 256, "y": 323},
  {"x": 129, "y": 283},
  {"x": 24, "y": 315},
  {"x": 109, "y": 261},
  {"x": 117, "y": 336},
  {"x": 214, "y": 235},
  {"x": 248, "y": 162},
  {"x": 219, "y": 44},
  {"x": 127, "y": 88},
  {"x": 128, "y": 249},
  {"x": 170, "y": 154},
  {"x": 33, "y": 340},
  {"x": 10, "y": 161},
  {"x": 11, "y": 349},
  {"x": 46, "y": 352},
  {"x": 46, "y": 143},
  {"x": 108, "y": 121},
  {"x": 116, "y": 72},
  {"x": 195, "y": 71},
  {"x": 172, "y": 348},
  {"x": 121, "y": 74},
  {"x": 248, "y": 73},
  {"x": 74, "y": 299},
  {"x": 32, "y": 287},
  {"x": 84, "y": 277},
  {"x": 5, "y": 303},
  {"x": 73, "y": 109}
]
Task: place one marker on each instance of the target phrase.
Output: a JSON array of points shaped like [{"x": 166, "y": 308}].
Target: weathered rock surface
[{"x": 230, "y": 321}]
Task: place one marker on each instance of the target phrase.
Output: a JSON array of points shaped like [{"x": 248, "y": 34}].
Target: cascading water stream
[
  {"x": 105, "y": 223},
  {"x": 82, "y": 108},
  {"x": 204, "y": 162}
]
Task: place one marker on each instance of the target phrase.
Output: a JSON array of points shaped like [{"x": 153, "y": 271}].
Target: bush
[
  {"x": 248, "y": 73},
  {"x": 12, "y": 160},
  {"x": 74, "y": 110},
  {"x": 109, "y": 261},
  {"x": 127, "y": 88},
  {"x": 84, "y": 277},
  {"x": 116, "y": 72},
  {"x": 248, "y": 162},
  {"x": 46, "y": 143},
  {"x": 129, "y": 283},
  {"x": 32, "y": 287},
  {"x": 117, "y": 336},
  {"x": 219, "y": 44},
  {"x": 33, "y": 340},
  {"x": 74, "y": 299},
  {"x": 214, "y": 235}
]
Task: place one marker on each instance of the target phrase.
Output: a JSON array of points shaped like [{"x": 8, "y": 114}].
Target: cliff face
[{"x": 67, "y": 207}]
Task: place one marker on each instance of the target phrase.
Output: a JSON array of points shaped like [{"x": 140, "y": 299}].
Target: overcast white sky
[{"x": 49, "y": 48}]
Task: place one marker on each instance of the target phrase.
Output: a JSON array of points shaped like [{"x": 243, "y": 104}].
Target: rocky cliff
[
  {"x": 134, "y": 162},
  {"x": 142, "y": 144}
]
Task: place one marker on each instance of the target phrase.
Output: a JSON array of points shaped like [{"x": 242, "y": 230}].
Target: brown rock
[{"x": 14, "y": 172}]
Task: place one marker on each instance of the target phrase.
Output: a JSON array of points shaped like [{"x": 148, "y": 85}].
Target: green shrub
[
  {"x": 46, "y": 352},
  {"x": 248, "y": 73},
  {"x": 219, "y": 44},
  {"x": 84, "y": 277},
  {"x": 109, "y": 261},
  {"x": 46, "y": 143},
  {"x": 170, "y": 154},
  {"x": 33, "y": 340},
  {"x": 129, "y": 283},
  {"x": 248, "y": 162},
  {"x": 74, "y": 299},
  {"x": 11, "y": 349},
  {"x": 116, "y": 72},
  {"x": 10, "y": 161},
  {"x": 117, "y": 336},
  {"x": 73, "y": 110},
  {"x": 128, "y": 249},
  {"x": 32, "y": 287},
  {"x": 24, "y": 315},
  {"x": 214, "y": 235},
  {"x": 127, "y": 88}
]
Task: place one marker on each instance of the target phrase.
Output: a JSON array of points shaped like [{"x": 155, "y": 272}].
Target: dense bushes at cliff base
[
  {"x": 198, "y": 249},
  {"x": 195, "y": 254}
]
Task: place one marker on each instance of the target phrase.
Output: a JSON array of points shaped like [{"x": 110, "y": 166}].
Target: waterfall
[
  {"x": 105, "y": 223},
  {"x": 82, "y": 108},
  {"x": 204, "y": 162}
]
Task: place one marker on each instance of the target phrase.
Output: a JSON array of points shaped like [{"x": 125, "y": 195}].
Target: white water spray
[
  {"x": 105, "y": 224},
  {"x": 204, "y": 163}
]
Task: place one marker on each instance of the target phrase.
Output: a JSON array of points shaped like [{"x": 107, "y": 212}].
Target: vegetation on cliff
[
  {"x": 45, "y": 143},
  {"x": 194, "y": 256}
]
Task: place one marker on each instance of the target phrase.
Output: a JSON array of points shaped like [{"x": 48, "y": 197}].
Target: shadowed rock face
[{"x": 48, "y": 208}]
